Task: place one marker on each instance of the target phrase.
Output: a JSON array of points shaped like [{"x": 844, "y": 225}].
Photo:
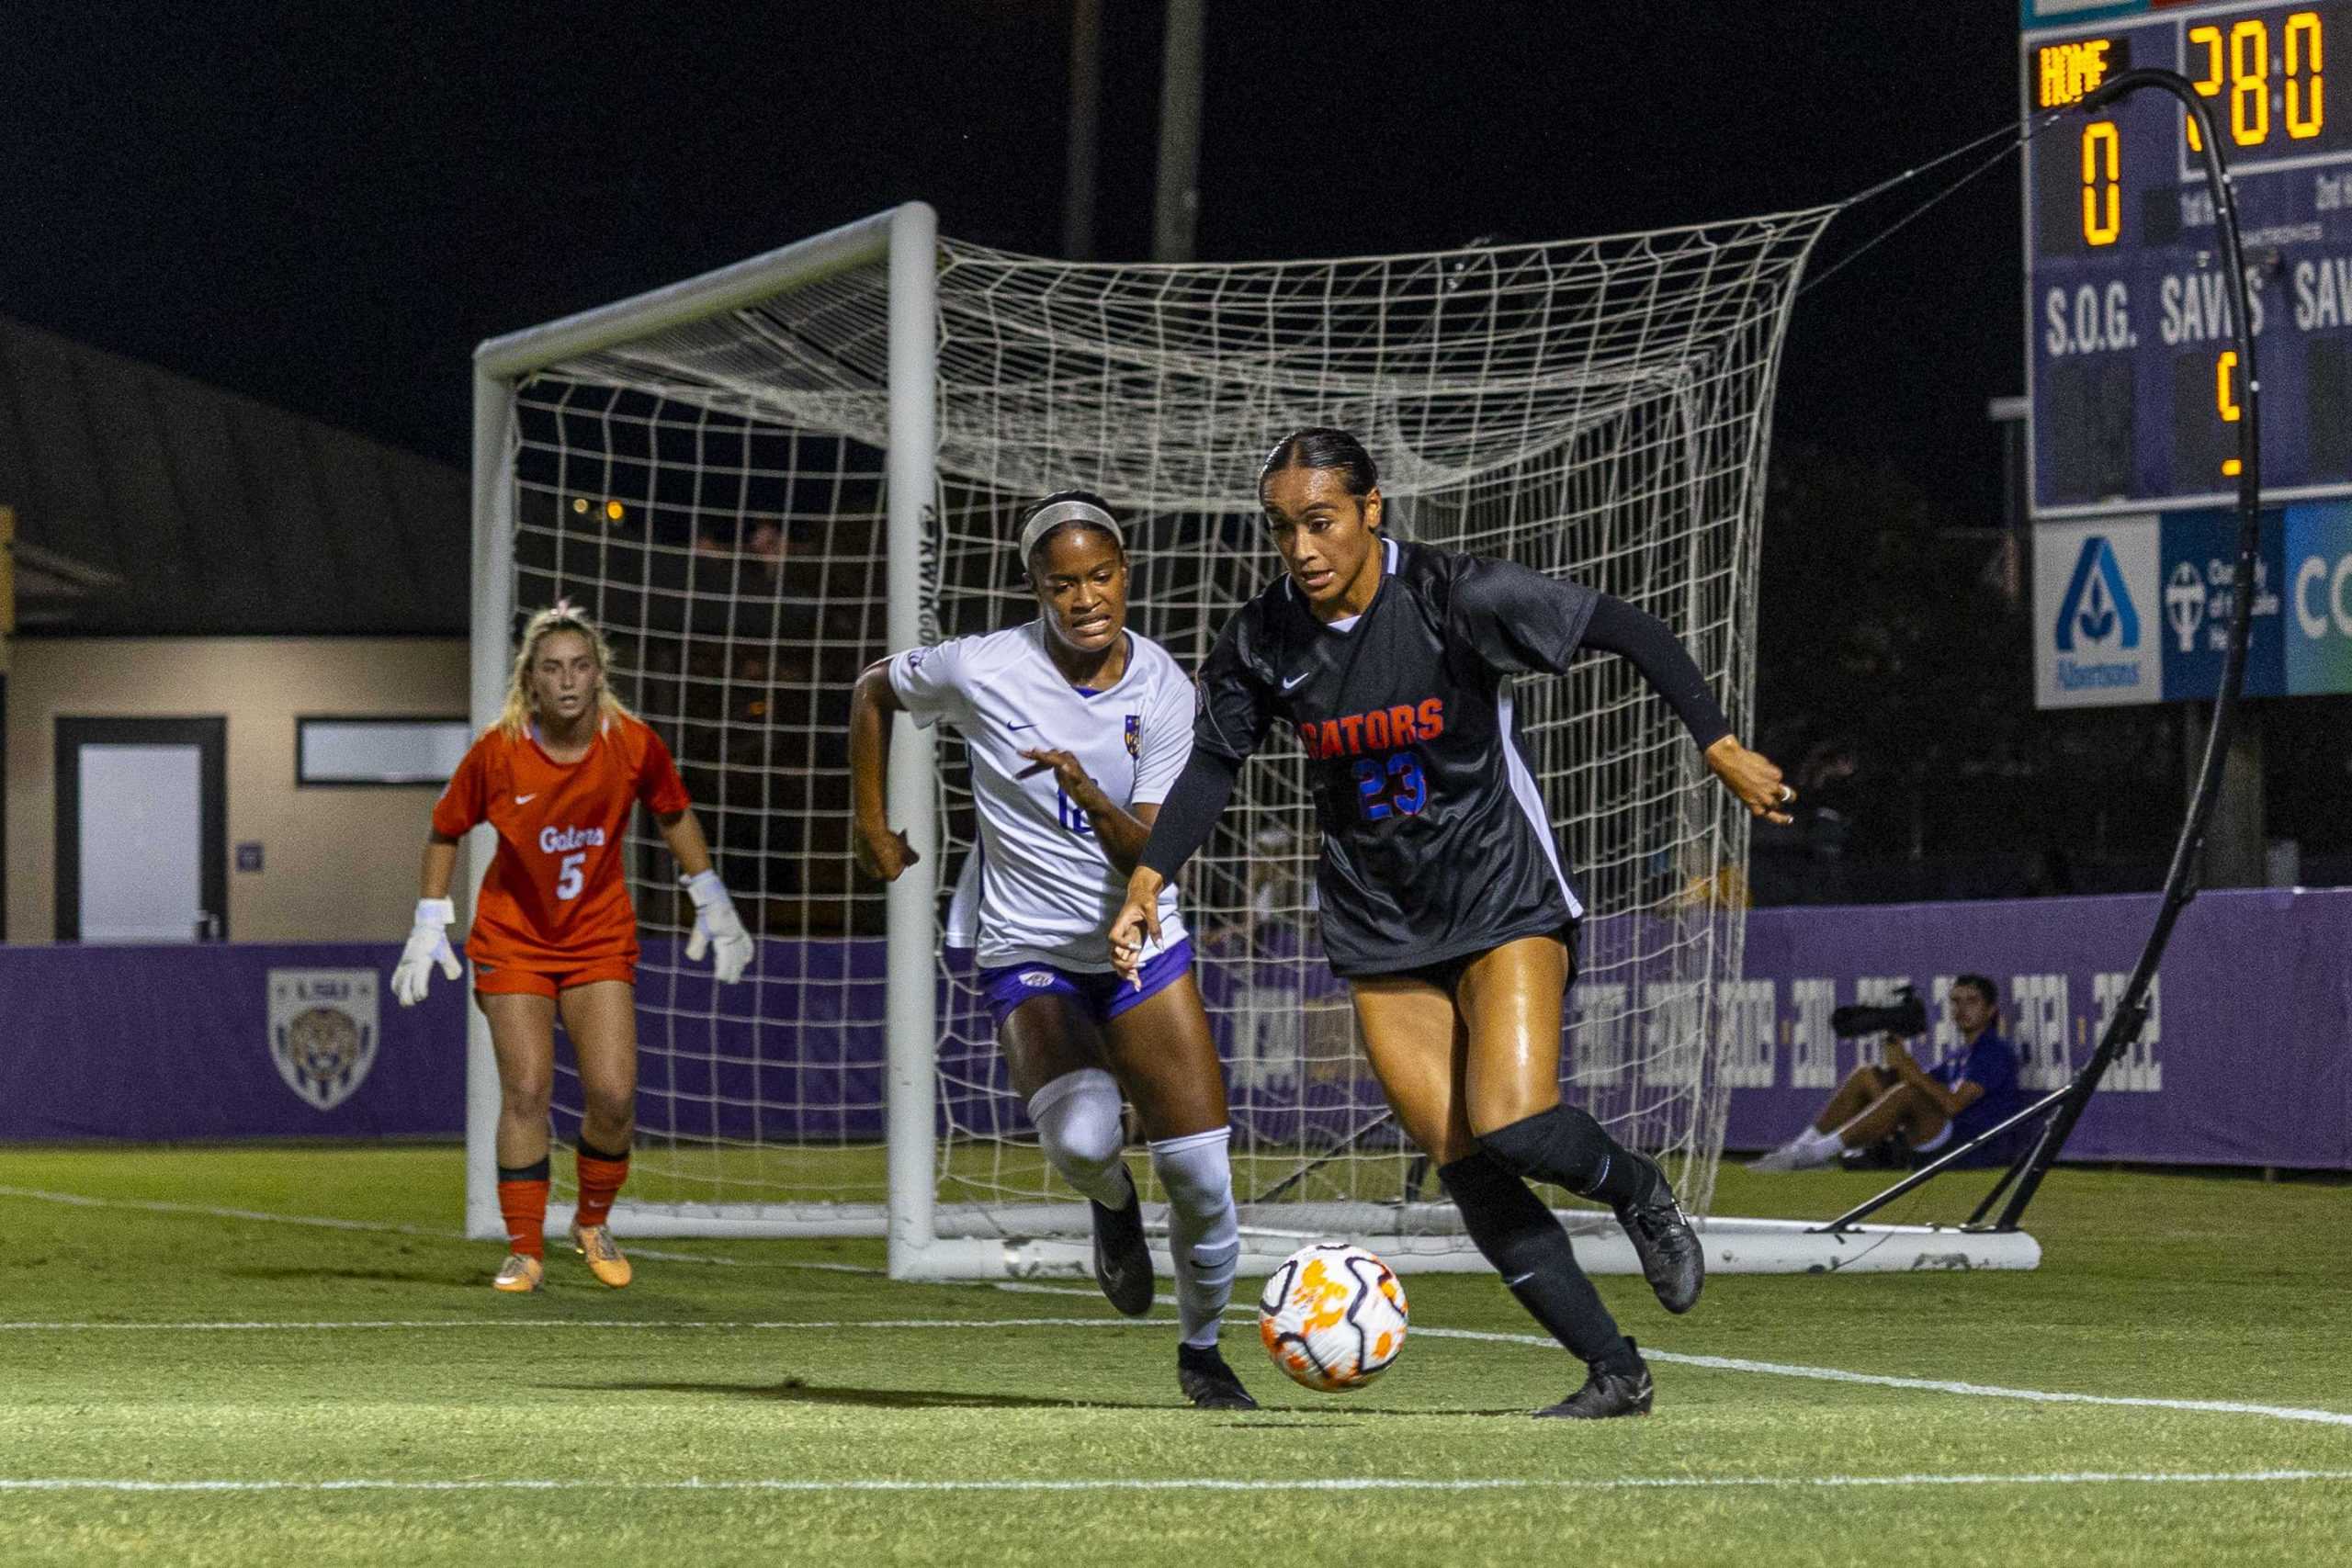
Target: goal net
[{"x": 760, "y": 481}]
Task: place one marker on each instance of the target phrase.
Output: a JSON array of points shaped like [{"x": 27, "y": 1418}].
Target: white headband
[{"x": 1048, "y": 518}]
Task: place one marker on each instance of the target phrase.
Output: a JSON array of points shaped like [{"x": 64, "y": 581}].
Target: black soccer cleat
[
  {"x": 1203, "y": 1377},
  {"x": 1122, "y": 1258},
  {"x": 1673, "y": 1261},
  {"x": 1605, "y": 1394}
]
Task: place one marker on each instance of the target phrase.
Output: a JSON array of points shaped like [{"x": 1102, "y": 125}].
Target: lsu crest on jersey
[{"x": 1038, "y": 888}]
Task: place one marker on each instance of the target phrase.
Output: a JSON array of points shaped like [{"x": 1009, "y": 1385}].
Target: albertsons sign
[
  {"x": 2137, "y": 609},
  {"x": 2096, "y": 599}
]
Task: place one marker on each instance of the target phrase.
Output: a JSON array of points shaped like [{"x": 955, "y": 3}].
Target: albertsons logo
[{"x": 2096, "y": 616}]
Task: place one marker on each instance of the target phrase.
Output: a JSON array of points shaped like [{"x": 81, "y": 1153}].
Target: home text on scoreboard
[{"x": 2135, "y": 380}]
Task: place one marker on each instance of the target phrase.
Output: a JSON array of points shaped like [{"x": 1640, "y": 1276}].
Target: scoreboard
[
  {"x": 2134, "y": 384},
  {"x": 2135, "y": 389}
]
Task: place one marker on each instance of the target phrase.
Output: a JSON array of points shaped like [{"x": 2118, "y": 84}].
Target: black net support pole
[
  {"x": 2065, "y": 1107},
  {"x": 1950, "y": 1157},
  {"x": 1344, "y": 1146}
]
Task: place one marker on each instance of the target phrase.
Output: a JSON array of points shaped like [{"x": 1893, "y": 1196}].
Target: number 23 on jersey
[{"x": 1390, "y": 785}]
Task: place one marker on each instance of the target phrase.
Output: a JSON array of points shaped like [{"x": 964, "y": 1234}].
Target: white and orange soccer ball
[{"x": 1332, "y": 1316}]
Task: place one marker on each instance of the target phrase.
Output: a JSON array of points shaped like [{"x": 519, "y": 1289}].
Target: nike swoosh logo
[
  {"x": 1296, "y": 679},
  {"x": 526, "y": 799},
  {"x": 1031, "y": 725}
]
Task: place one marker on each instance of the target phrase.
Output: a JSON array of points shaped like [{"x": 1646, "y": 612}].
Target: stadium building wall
[{"x": 338, "y": 865}]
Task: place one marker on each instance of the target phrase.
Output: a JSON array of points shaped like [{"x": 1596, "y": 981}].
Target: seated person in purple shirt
[{"x": 1922, "y": 1109}]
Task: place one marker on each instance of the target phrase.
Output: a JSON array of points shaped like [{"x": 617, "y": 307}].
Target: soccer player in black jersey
[{"x": 1443, "y": 901}]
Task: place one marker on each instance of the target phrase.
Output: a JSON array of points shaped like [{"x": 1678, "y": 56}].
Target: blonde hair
[{"x": 560, "y": 616}]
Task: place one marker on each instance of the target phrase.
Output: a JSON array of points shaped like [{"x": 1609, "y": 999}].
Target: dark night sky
[{"x": 327, "y": 205}]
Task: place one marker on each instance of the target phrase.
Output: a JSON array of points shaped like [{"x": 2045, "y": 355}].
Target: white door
[{"x": 141, "y": 826}]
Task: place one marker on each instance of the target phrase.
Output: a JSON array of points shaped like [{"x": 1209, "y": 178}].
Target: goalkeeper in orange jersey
[{"x": 554, "y": 932}]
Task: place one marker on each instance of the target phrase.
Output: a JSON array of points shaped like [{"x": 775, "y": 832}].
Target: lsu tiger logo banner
[{"x": 323, "y": 1028}]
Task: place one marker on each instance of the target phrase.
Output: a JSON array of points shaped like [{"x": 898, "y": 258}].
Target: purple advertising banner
[
  {"x": 224, "y": 1042},
  {"x": 2247, "y": 1058}
]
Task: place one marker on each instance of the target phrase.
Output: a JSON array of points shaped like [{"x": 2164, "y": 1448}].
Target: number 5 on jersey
[{"x": 569, "y": 878}]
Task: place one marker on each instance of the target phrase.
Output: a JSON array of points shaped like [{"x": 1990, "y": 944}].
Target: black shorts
[{"x": 1446, "y": 973}]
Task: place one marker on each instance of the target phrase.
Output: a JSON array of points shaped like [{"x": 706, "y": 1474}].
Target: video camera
[{"x": 1906, "y": 1016}]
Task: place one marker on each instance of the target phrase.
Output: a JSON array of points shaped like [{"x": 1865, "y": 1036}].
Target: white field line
[
  {"x": 1836, "y": 1375},
  {"x": 1201, "y": 1483},
  {"x": 1715, "y": 1363},
  {"x": 164, "y": 1206},
  {"x": 666, "y": 1324},
  {"x": 435, "y": 1233},
  {"x": 1931, "y": 1385}
]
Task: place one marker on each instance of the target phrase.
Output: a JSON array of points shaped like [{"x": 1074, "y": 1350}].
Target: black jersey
[{"x": 1436, "y": 844}]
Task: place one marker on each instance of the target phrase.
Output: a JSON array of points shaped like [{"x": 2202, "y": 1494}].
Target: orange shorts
[{"x": 503, "y": 981}]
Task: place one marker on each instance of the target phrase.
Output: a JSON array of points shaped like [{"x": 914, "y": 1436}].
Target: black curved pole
[{"x": 2065, "y": 1107}]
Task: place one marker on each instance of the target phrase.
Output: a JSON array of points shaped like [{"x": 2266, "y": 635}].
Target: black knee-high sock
[
  {"x": 1567, "y": 1146},
  {"x": 1522, "y": 1238}
]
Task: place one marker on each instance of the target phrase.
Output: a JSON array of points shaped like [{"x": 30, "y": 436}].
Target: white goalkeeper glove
[
  {"x": 428, "y": 943},
  {"x": 717, "y": 924}
]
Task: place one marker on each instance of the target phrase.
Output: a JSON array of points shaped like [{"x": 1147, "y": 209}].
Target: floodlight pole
[
  {"x": 1176, "y": 210},
  {"x": 1085, "y": 129},
  {"x": 2065, "y": 1106}
]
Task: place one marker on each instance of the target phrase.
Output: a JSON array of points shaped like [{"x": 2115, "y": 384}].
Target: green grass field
[{"x": 226, "y": 1389}]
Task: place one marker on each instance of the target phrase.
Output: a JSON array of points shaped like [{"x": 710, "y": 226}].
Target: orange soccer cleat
[
  {"x": 595, "y": 1244},
  {"x": 519, "y": 1273}
]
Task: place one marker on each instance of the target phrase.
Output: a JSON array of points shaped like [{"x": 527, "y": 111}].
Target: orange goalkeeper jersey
[{"x": 556, "y": 895}]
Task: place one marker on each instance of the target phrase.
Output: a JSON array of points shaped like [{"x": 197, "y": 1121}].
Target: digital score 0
[{"x": 2135, "y": 385}]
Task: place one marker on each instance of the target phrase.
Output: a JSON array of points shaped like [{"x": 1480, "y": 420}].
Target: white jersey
[{"x": 1039, "y": 889}]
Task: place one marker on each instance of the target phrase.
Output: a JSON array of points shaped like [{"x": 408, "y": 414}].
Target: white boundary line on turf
[
  {"x": 1837, "y": 1374},
  {"x": 672, "y": 1323},
  {"x": 387, "y": 1227},
  {"x": 1715, "y": 1363},
  {"x": 1932, "y": 1385},
  {"x": 1201, "y": 1483}
]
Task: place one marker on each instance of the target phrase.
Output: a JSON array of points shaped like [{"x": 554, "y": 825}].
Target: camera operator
[{"x": 1919, "y": 1110}]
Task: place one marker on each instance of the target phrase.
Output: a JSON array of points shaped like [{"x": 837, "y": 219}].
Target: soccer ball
[{"x": 1332, "y": 1316}]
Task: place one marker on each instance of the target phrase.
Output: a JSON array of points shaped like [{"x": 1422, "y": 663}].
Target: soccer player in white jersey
[{"x": 1075, "y": 728}]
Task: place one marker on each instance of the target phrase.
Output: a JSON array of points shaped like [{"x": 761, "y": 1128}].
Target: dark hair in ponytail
[{"x": 1322, "y": 446}]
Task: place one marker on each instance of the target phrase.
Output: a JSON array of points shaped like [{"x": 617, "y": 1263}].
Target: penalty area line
[
  {"x": 1202, "y": 1483},
  {"x": 1838, "y": 1374},
  {"x": 1712, "y": 1363},
  {"x": 698, "y": 1325},
  {"x": 1931, "y": 1385},
  {"x": 387, "y": 1227}
]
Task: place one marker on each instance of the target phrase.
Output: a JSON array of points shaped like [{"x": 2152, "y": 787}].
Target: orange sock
[
  {"x": 601, "y": 1176},
  {"x": 522, "y": 1200}
]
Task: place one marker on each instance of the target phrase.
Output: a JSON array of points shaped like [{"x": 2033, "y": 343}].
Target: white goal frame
[
  {"x": 907, "y": 236},
  {"x": 927, "y": 1240}
]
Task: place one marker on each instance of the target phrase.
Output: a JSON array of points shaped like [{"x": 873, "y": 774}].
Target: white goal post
[{"x": 759, "y": 480}]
